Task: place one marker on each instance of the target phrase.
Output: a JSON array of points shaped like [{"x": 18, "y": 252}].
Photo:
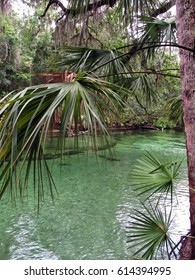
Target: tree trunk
[
  {"x": 186, "y": 36},
  {"x": 5, "y": 7}
]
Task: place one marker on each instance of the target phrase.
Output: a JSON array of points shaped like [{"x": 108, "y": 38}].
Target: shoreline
[{"x": 56, "y": 132}]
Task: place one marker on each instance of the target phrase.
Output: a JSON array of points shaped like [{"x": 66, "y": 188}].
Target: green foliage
[
  {"x": 149, "y": 234},
  {"x": 164, "y": 122},
  {"x": 155, "y": 32},
  {"x": 155, "y": 175},
  {"x": 143, "y": 87},
  {"x": 36, "y": 50},
  {"x": 176, "y": 109},
  {"x": 43, "y": 51},
  {"x": 13, "y": 73},
  {"x": 7, "y": 39},
  {"x": 27, "y": 118},
  {"x": 110, "y": 30},
  {"x": 101, "y": 62}
]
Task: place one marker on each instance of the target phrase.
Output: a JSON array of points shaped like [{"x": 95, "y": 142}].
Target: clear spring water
[{"x": 89, "y": 215}]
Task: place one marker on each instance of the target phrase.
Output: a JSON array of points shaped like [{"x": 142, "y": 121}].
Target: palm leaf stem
[
  {"x": 156, "y": 45},
  {"x": 142, "y": 72}
]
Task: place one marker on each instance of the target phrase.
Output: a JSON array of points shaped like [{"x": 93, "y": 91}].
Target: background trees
[{"x": 40, "y": 37}]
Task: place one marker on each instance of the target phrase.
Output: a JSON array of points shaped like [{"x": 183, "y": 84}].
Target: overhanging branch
[
  {"x": 74, "y": 12},
  {"x": 58, "y": 3},
  {"x": 142, "y": 72},
  {"x": 141, "y": 48},
  {"x": 163, "y": 9}
]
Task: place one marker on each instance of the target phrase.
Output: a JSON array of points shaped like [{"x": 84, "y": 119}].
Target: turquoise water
[{"x": 89, "y": 215}]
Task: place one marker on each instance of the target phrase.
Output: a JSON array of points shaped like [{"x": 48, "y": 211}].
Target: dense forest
[{"x": 32, "y": 44}]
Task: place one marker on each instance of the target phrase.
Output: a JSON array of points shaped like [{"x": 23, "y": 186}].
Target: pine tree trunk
[{"x": 186, "y": 37}]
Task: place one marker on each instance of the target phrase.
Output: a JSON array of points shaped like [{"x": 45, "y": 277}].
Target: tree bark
[
  {"x": 4, "y": 6},
  {"x": 185, "y": 10}
]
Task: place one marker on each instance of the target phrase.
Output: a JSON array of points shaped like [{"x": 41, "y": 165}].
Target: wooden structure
[{"x": 51, "y": 78}]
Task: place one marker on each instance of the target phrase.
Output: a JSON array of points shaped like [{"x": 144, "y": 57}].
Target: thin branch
[
  {"x": 97, "y": 4},
  {"x": 141, "y": 105},
  {"x": 169, "y": 45},
  {"x": 52, "y": 2},
  {"x": 74, "y": 12},
  {"x": 136, "y": 44},
  {"x": 144, "y": 48},
  {"x": 142, "y": 72},
  {"x": 163, "y": 9},
  {"x": 169, "y": 69}
]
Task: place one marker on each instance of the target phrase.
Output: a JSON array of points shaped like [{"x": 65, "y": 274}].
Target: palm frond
[
  {"x": 155, "y": 33},
  {"x": 131, "y": 9},
  {"x": 143, "y": 87},
  {"x": 174, "y": 104},
  {"x": 27, "y": 118},
  {"x": 102, "y": 62},
  {"x": 156, "y": 173},
  {"x": 149, "y": 234},
  {"x": 158, "y": 30}
]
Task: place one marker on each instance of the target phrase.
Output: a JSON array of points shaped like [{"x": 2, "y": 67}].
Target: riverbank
[{"x": 56, "y": 131}]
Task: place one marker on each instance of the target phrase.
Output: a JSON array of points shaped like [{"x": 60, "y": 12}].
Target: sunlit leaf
[{"x": 156, "y": 173}]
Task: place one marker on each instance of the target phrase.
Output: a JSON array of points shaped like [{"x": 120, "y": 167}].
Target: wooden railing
[{"x": 59, "y": 77}]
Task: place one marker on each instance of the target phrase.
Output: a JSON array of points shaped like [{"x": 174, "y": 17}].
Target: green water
[{"x": 89, "y": 216}]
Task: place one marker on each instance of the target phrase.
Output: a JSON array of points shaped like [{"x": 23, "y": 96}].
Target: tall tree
[{"x": 186, "y": 37}]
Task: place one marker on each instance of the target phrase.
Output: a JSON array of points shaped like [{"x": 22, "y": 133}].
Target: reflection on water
[
  {"x": 25, "y": 241},
  {"x": 88, "y": 218}
]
